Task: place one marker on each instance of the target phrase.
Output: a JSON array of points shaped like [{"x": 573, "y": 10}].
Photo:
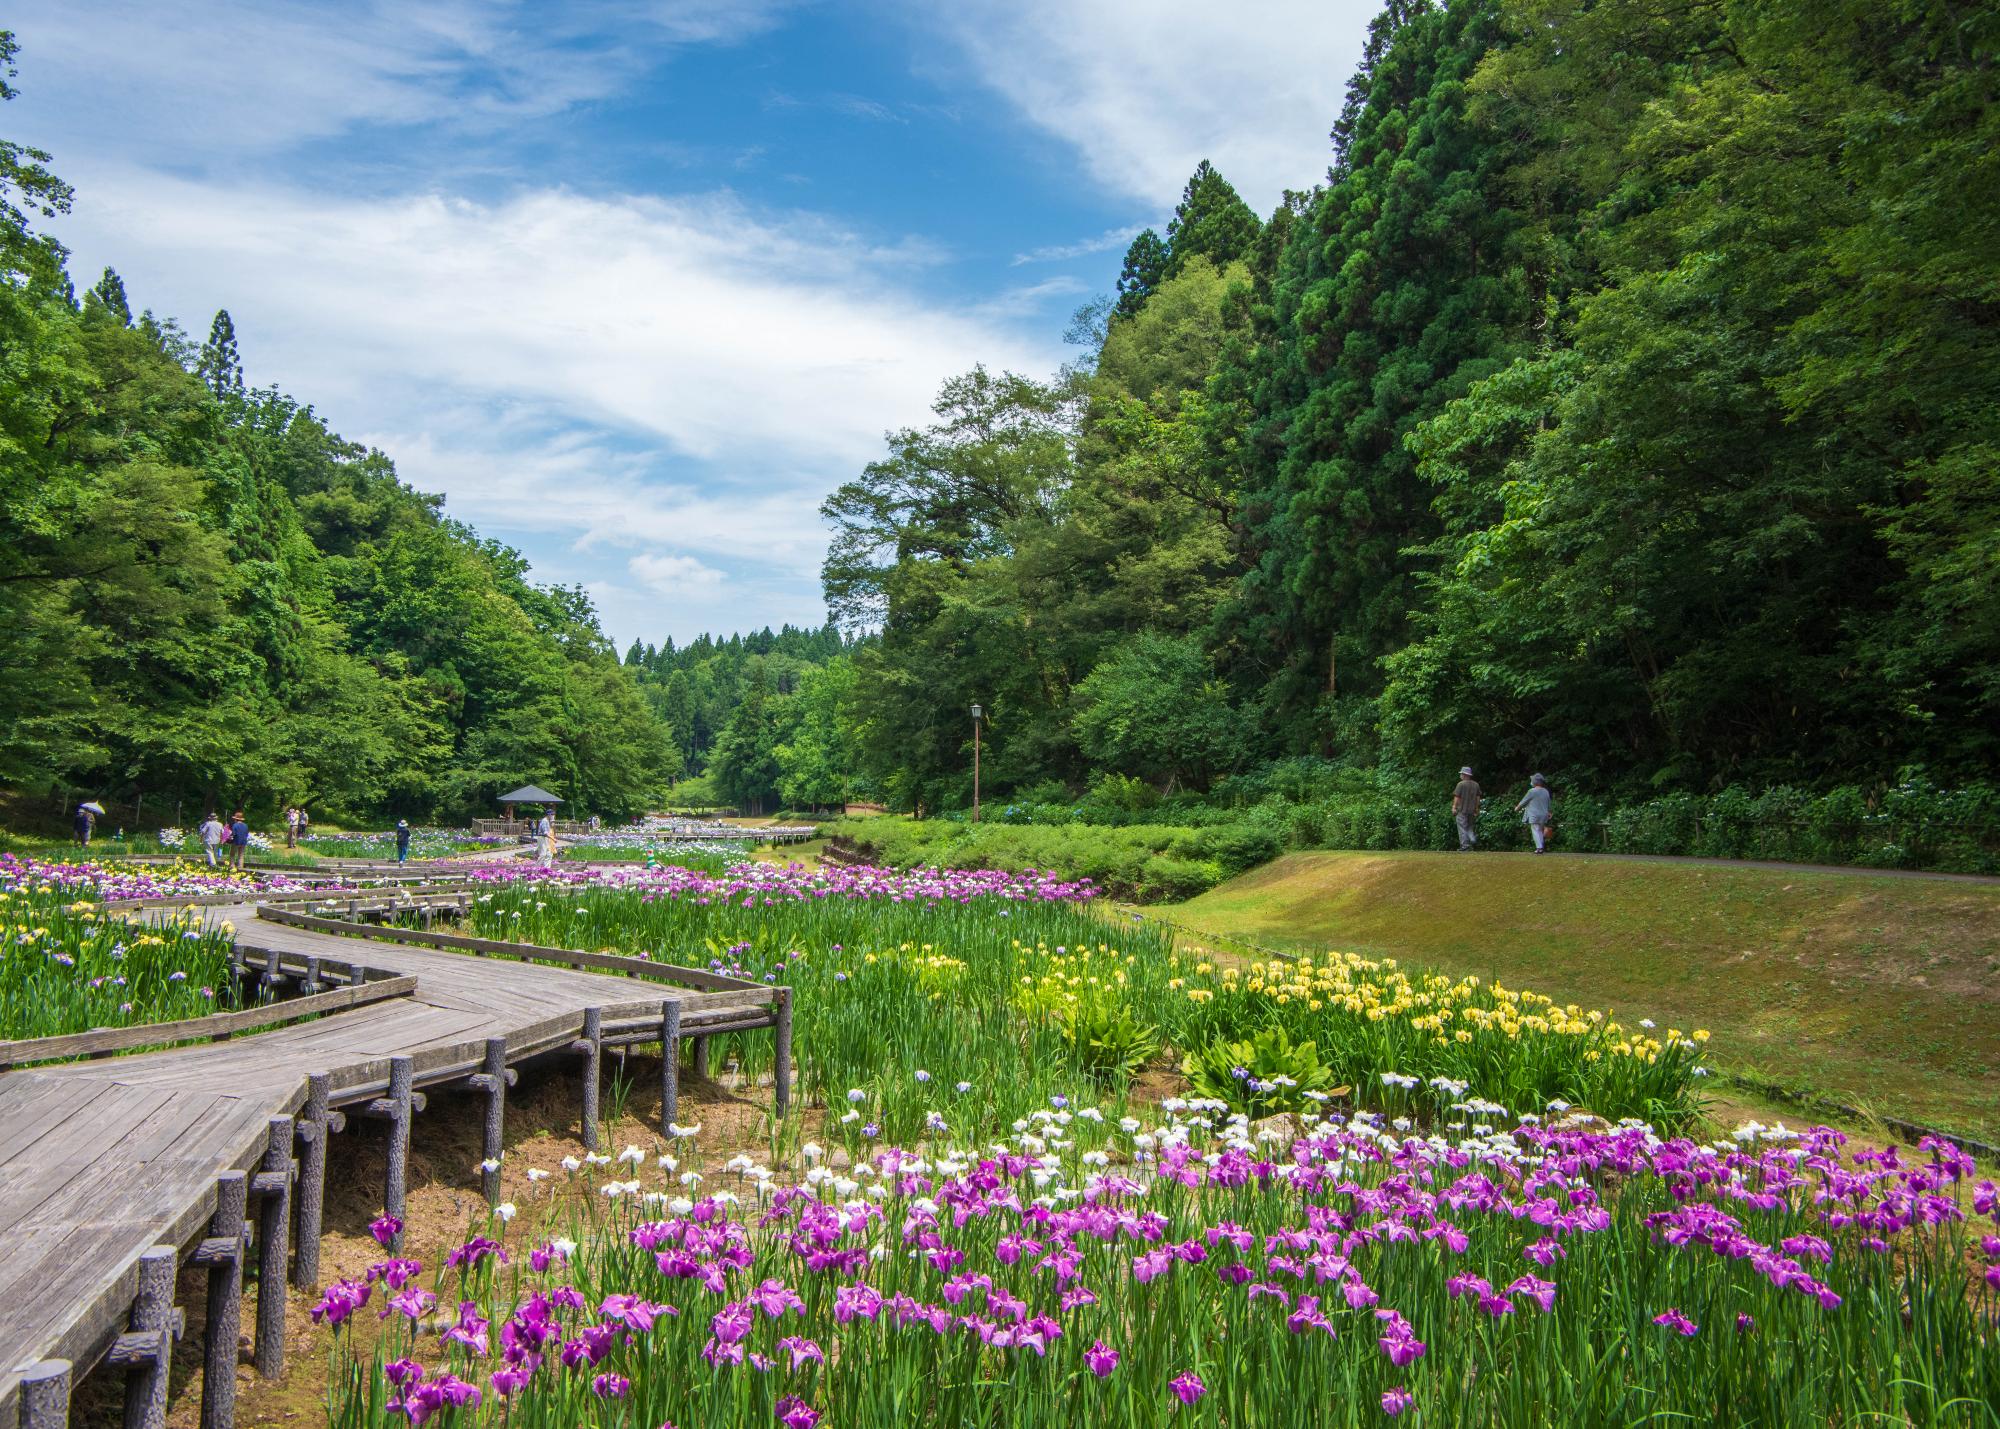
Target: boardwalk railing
[{"x": 217, "y": 1026}]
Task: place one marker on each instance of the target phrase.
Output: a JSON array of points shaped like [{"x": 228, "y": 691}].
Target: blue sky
[{"x": 635, "y": 283}]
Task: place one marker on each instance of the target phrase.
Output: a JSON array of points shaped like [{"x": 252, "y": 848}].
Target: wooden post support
[
  {"x": 701, "y": 1058},
  {"x": 272, "y": 976},
  {"x": 222, "y": 1253},
  {"x": 147, "y": 1349},
  {"x": 45, "y": 1387},
  {"x": 592, "y": 1046},
  {"x": 493, "y": 1081},
  {"x": 313, "y": 983},
  {"x": 670, "y": 1063},
  {"x": 313, "y": 1129},
  {"x": 274, "y": 1222},
  {"x": 402, "y": 1083},
  {"x": 781, "y": 1071}
]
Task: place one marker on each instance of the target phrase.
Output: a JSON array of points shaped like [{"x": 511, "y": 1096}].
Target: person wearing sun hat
[
  {"x": 1465, "y": 808},
  {"x": 1534, "y": 811}
]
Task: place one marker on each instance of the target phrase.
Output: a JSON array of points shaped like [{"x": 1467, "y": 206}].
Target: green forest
[
  {"x": 1623, "y": 402},
  {"x": 205, "y": 594}
]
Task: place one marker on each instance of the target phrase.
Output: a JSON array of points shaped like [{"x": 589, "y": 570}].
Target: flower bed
[
  {"x": 1012, "y": 983},
  {"x": 1199, "y": 1271},
  {"x": 67, "y": 968}
]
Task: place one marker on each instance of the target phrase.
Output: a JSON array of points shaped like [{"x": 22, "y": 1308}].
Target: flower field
[
  {"x": 1015, "y": 986},
  {"x": 65, "y": 967},
  {"x": 1196, "y": 1271}
]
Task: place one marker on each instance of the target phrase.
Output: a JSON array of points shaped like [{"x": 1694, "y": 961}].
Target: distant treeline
[{"x": 759, "y": 720}]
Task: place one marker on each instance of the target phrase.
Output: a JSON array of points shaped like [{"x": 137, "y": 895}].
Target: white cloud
[
  {"x": 579, "y": 376},
  {"x": 1105, "y": 242},
  {"x": 1146, "y": 89},
  {"x": 674, "y": 575},
  {"x": 723, "y": 333},
  {"x": 255, "y": 76}
]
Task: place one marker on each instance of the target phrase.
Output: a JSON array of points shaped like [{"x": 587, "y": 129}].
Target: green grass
[{"x": 1878, "y": 991}]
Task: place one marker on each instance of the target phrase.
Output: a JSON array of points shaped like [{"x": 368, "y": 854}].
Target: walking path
[{"x": 103, "y": 1162}]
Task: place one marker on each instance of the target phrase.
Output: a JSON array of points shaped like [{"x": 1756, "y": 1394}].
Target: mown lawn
[{"x": 1881, "y": 992}]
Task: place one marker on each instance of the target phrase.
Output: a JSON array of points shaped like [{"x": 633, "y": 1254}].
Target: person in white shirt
[{"x": 212, "y": 834}]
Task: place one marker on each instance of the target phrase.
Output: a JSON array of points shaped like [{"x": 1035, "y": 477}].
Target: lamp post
[{"x": 977, "y": 713}]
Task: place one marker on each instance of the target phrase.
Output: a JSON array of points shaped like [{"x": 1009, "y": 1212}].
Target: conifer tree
[
  {"x": 1145, "y": 267},
  {"x": 219, "y": 366},
  {"x": 1211, "y": 221},
  {"x": 109, "y": 294}
]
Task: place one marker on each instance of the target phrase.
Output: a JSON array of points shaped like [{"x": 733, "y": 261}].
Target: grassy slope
[{"x": 1883, "y": 992}]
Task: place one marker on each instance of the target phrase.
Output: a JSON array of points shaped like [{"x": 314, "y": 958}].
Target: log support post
[
  {"x": 402, "y": 1104},
  {"x": 274, "y": 1220},
  {"x": 314, "y": 1128},
  {"x": 670, "y": 1064},
  {"x": 701, "y": 1058},
  {"x": 146, "y": 1350},
  {"x": 222, "y": 1253},
  {"x": 781, "y": 1071},
  {"x": 493, "y": 1078},
  {"x": 591, "y": 1047},
  {"x": 313, "y": 983},
  {"x": 45, "y": 1387}
]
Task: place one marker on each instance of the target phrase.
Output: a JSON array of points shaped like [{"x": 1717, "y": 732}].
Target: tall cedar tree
[
  {"x": 1398, "y": 290},
  {"x": 1145, "y": 266},
  {"x": 1210, "y": 222}
]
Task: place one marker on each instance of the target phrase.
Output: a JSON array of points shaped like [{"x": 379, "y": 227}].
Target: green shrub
[{"x": 1263, "y": 1075}]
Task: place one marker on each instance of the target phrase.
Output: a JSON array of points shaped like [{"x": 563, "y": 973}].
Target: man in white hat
[{"x": 1465, "y": 808}]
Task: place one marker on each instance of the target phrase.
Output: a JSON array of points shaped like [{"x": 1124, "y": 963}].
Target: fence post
[
  {"x": 670, "y": 1063},
  {"x": 222, "y": 1252},
  {"x": 593, "y": 1073},
  {"x": 274, "y": 1220},
  {"x": 402, "y": 1083},
  {"x": 781, "y": 1067},
  {"x": 313, "y": 1131},
  {"x": 45, "y": 1388},
  {"x": 151, "y": 1340},
  {"x": 495, "y": 1083}
]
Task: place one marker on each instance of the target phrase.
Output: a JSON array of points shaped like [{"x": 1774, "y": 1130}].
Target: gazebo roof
[{"x": 529, "y": 794}]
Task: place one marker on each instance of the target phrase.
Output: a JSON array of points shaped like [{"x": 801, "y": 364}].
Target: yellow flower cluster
[
  {"x": 1451, "y": 1010},
  {"x": 1069, "y": 977}
]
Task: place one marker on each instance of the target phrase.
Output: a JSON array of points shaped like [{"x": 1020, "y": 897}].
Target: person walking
[
  {"x": 545, "y": 837},
  {"x": 1534, "y": 811},
  {"x": 1465, "y": 808},
  {"x": 212, "y": 834},
  {"x": 239, "y": 840},
  {"x": 402, "y": 840},
  {"x": 292, "y": 826},
  {"x": 85, "y": 822}
]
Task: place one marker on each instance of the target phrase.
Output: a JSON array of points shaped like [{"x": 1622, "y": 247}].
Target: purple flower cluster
[
  {"x": 752, "y": 885},
  {"x": 1003, "y": 1270}
]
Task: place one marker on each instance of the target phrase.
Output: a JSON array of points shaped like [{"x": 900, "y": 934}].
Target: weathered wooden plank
[{"x": 606, "y": 962}]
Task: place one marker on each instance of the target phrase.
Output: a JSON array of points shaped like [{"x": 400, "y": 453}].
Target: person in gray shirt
[
  {"x": 1465, "y": 808},
  {"x": 1534, "y": 811}
]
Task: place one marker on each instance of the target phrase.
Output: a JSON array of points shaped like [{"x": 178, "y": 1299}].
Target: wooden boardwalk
[{"x": 105, "y": 1163}]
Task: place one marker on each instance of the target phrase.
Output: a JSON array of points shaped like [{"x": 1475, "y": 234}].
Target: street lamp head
[{"x": 977, "y": 712}]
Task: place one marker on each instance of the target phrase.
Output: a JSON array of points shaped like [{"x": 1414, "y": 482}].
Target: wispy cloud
[
  {"x": 1105, "y": 242},
  {"x": 1146, "y": 89},
  {"x": 673, "y": 576},
  {"x": 232, "y": 77},
  {"x": 687, "y": 376}
]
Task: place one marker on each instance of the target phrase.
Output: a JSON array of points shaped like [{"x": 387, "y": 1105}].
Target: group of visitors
[
  {"x": 297, "y": 824},
  {"x": 1533, "y": 809},
  {"x": 234, "y": 836}
]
